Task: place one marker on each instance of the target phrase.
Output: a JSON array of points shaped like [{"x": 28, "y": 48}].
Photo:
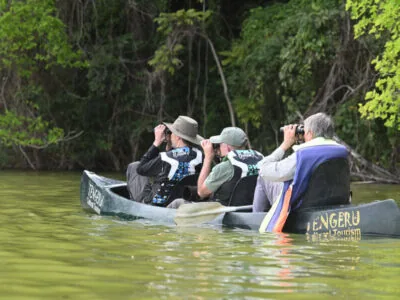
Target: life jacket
[
  {"x": 308, "y": 158},
  {"x": 182, "y": 162},
  {"x": 245, "y": 164}
]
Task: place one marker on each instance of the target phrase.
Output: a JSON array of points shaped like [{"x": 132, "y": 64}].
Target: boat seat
[
  {"x": 177, "y": 192},
  {"x": 121, "y": 190},
  {"x": 329, "y": 185},
  {"x": 243, "y": 192}
]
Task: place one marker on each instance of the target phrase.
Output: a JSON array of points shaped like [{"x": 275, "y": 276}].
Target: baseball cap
[{"x": 232, "y": 136}]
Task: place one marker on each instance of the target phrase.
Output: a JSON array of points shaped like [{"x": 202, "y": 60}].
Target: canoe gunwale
[{"x": 97, "y": 196}]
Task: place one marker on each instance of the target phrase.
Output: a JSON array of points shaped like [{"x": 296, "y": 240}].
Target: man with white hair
[{"x": 283, "y": 182}]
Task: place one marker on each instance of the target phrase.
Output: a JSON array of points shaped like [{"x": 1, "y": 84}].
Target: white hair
[{"x": 320, "y": 125}]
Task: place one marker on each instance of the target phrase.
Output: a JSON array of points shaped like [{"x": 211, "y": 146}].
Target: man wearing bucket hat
[
  {"x": 217, "y": 184},
  {"x": 165, "y": 168}
]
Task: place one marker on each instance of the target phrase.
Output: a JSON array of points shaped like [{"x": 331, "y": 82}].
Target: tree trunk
[{"x": 366, "y": 170}]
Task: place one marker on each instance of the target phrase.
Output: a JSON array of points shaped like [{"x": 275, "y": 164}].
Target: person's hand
[
  {"x": 289, "y": 136},
  {"x": 207, "y": 149},
  {"x": 159, "y": 136}
]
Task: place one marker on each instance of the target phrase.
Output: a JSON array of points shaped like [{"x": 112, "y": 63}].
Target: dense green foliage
[
  {"x": 382, "y": 20},
  {"x": 32, "y": 40},
  {"x": 32, "y": 37},
  {"x": 173, "y": 25},
  {"x": 282, "y": 59},
  {"x": 25, "y": 131},
  {"x": 114, "y": 69}
]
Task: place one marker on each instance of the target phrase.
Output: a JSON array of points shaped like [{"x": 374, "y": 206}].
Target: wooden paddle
[{"x": 196, "y": 213}]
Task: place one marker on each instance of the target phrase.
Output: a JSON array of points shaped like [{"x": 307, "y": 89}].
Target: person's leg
[
  {"x": 273, "y": 190},
  {"x": 135, "y": 182},
  {"x": 177, "y": 202},
  {"x": 260, "y": 200},
  {"x": 265, "y": 194}
]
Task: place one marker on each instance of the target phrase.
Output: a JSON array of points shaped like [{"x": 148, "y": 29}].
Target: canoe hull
[
  {"x": 105, "y": 196},
  {"x": 97, "y": 195}
]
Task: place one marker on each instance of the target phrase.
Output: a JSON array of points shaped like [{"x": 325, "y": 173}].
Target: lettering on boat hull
[
  {"x": 94, "y": 198},
  {"x": 344, "y": 225}
]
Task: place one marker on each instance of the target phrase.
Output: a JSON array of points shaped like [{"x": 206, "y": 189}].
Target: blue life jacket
[{"x": 182, "y": 162}]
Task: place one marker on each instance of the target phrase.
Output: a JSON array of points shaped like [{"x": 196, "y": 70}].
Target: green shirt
[{"x": 220, "y": 174}]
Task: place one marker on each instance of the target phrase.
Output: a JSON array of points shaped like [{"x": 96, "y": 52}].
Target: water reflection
[
  {"x": 277, "y": 269},
  {"x": 52, "y": 249}
]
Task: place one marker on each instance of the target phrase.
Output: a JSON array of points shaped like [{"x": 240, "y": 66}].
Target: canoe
[{"x": 106, "y": 196}]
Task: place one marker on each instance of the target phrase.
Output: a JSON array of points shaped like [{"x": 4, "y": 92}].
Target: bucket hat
[{"x": 186, "y": 128}]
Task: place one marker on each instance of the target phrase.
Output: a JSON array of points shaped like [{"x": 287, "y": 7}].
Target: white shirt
[{"x": 274, "y": 168}]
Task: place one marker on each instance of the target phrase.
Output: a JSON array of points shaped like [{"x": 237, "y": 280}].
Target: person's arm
[
  {"x": 151, "y": 163},
  {"x": 221, "y": 173},
  {"x": 202, "y": 189},
  {"x": 273, "y": 167}
]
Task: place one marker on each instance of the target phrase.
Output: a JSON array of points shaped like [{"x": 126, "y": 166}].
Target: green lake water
[{"x": 52, "y": 249}]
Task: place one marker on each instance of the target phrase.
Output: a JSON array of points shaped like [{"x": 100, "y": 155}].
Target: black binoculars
[
  {"x": 167, "y": 131},
  {"x": 215, "y": 146},
  {"x": 299, "y": 129}
]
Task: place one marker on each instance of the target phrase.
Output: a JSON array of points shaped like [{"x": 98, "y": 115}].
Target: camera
[
  {"x": 215, "y": 147},
  {"x": 299, "y": 129}
]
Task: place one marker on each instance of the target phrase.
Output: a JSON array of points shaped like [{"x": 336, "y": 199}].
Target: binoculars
[
  {"x": 166, "y": 131},
  {"x": 299, "y": 129}
]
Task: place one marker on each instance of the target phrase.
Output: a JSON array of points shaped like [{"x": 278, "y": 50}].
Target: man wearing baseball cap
[
  {"x": 217, "y": 184},
  {"x": 165, "y": 168}
]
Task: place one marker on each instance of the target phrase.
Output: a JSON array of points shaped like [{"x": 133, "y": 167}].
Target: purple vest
[{"x": 307, "y": 160}]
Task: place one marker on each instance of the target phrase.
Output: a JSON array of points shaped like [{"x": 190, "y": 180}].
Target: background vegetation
[{"x": 84, "y": 82}]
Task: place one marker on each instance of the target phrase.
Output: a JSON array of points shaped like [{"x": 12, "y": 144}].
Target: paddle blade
[
  {"x": 197, "y": 213},
  {"x": 192, "y": 208},
  {"x": 189, "y": 221}
]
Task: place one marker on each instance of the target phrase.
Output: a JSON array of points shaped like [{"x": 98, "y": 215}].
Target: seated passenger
[
  {"x": 165, "y": 168},
  {"x": 283, "y": 182},
  {"x": 217, "y": 184}
]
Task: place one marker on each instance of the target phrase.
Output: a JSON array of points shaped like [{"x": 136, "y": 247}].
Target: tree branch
[
  {"x": 67, "y": 138},
  {"x": 222, "y": 76}
]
